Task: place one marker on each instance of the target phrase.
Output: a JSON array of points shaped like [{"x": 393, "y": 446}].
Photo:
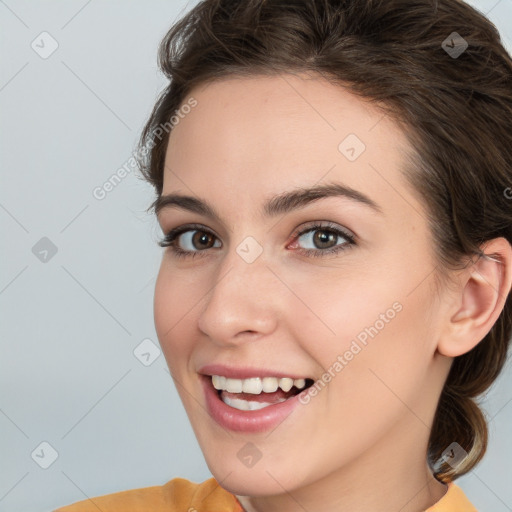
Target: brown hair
[{"x": 455, "y": 110}]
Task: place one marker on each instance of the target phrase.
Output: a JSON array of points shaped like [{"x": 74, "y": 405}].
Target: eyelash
[{"x": 169, "y": 240}]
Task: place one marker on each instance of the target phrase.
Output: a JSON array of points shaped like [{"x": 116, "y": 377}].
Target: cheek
[
  {"x": 344, "y": 312},
  {"x": 173, "y": 306},
  {"x": 376, "y": 341},
  {"x": 386, "y": 349}
]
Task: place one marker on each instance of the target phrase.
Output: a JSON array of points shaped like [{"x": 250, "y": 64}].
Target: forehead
[
  {"x": 280, "y": 132},
  {"x": 276, "y": 111}
]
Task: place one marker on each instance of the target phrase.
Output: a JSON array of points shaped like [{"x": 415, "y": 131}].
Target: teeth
[
  {"x": 218, "y": 382},
  {"x": 270, "y": 384},
  {"x": 246, "y": 405},
  {"x": 255, "y": 385},
  {"x": 299, "y": 383},
  {"x": 234, "y": 385},
  {"x": 286, "y": 384}
]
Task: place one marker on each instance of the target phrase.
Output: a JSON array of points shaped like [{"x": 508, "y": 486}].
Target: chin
[
  {"x": 265, "y": 478},
  {"x": 249, "y": 483}
]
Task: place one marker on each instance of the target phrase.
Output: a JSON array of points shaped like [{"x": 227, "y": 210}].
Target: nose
[{"x": 243, "y": 302}]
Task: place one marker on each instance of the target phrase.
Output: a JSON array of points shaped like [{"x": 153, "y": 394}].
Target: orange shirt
[{"x": 180, "y": 495}]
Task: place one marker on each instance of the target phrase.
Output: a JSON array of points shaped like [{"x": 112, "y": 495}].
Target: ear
[{"x": 484, "y": 287}]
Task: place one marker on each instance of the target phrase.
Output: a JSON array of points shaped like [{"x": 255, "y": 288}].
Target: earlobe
[{"x": 484, "y": 288}]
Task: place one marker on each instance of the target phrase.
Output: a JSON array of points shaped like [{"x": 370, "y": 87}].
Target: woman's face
[{"x": 262, "y": 293}]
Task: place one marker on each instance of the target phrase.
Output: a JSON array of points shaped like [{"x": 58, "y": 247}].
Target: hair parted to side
[{"x": 456, "y": 113}]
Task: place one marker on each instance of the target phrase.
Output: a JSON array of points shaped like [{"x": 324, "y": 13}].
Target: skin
[{"x": 360, "y": 444}]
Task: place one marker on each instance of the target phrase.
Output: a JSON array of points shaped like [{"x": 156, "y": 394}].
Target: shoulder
[
  {"x": 455, "y": 500},
  {"x": 176, "y": 495}
]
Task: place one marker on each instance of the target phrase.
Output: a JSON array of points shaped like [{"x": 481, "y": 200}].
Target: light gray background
[{"x": 69, "y": 326}]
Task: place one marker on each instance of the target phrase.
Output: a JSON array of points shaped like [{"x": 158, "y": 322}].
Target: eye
[
  {"x": 189, "y": 240},
  {"x": 322, "y": 239}
]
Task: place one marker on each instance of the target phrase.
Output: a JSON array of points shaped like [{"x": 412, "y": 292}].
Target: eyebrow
[{"x": 279, "y": 204}]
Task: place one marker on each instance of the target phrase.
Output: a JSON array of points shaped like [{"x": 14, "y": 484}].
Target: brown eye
[
  {"x": 324, "y": 239},
  {"x": 321, "y": 238},
  {"x": 195, "y": 240},
  {"x": 189, "y": 241}
]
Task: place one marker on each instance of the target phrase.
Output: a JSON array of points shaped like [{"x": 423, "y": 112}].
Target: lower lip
[{"x": 246, "y": 421}]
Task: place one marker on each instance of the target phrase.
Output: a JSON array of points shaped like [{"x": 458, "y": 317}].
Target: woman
[{"x": 332, "y": 181}]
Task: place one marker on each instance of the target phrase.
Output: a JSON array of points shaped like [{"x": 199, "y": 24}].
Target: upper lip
[{"x": 246, "y": 372}]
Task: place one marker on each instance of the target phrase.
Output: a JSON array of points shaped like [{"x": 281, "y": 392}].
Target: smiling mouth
[{"x": 257, "y": 393}]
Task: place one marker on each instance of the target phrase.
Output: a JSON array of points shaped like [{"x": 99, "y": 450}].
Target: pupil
[
  {"x": 323, "y": 237},
  {"x": 200, "y": 238}
]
